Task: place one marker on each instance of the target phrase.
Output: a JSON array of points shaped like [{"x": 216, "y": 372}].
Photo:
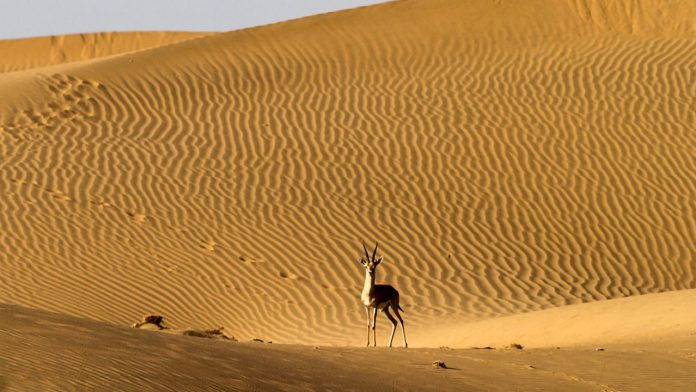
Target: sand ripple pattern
[{"x": 230, "y": 180}]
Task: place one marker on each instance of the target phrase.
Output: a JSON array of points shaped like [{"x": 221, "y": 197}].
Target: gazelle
[{"x": 379, "y": 297}]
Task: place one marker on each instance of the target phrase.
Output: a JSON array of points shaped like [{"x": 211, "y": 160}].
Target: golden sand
[
  {"x": 509, "y": 157},
  {"x": 21, "y": 54}
]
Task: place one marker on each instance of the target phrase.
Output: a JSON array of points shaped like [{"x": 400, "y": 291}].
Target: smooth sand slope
[
  {"x": 21, "y": 54},
  {"x": 646, "y": 318},
  {"x": 508, "y": 156},
  {"x": 51, "y": 352}
]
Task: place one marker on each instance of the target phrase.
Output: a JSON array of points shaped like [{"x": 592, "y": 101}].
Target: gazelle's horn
[
  {"x": 367, "y": 255},
  {"x": 374, "y": 252}
]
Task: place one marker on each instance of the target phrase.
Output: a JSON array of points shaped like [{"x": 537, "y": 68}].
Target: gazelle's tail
[{"x": 399, "y": 306}]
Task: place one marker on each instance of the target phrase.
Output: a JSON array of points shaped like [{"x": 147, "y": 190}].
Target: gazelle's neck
[{"x": 369, "y": 281}]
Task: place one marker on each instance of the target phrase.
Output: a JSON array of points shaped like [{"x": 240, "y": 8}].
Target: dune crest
[
  {"x": 27, "y": 53},
  {"x": 508, "y": 156},
  {"x": 647, "y": 18}
]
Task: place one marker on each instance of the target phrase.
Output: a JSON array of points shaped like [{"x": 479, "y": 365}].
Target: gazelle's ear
[
  {"x": 362, "y": 261},
  {"x": 379, "y": 260}
]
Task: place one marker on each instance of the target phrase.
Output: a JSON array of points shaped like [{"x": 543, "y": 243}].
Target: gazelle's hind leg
[
  {"x": 374, "y": 327},
  {"x": 393, "y": 322},
  {"x": 395, "y": 307}
]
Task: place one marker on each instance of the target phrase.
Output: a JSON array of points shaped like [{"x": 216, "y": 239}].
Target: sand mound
[
  {"x": 508, "y": 156},
  {"x": 20, "y": 54},
  {"x": 644, "y": 318},
  {"x": 53, "y": 352}
]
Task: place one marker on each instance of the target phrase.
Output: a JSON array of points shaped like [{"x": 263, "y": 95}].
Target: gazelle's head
[{"x": 370, "y": 263}]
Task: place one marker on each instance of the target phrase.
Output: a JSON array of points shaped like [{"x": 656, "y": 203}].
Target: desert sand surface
[
  {"x": 45, "y": 351},
  {"x": 526, "y": 167},
  {"x": 26, "y": 53}
]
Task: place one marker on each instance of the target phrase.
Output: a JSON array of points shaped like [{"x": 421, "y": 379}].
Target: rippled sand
[{"x": 509, "y": 157}]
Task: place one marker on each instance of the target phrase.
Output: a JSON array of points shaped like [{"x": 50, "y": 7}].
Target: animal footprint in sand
[
  {"x": 209, "y": 245},
  {"x": 287, "y": 275},
  {"x": 137, "y": 217}
]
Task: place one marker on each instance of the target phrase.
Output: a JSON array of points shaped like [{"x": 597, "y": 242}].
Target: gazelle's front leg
[
  {"x": 374, "y": 327},
  {"x": 367, "y": 311}
]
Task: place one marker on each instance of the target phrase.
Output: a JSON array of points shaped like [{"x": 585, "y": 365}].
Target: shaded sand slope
[
  {"x": 20, "y": 54},
  {"x": 53, "y": 352},
  {"x": 509, "y": 157}
]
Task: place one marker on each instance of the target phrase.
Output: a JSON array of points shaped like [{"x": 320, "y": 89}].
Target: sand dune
[
  {"x": 52, "y": 352},
  {"x": 509, "y": 157},
  {"x": 21, "y": 54},
  {"x": 650, "y": 318}
]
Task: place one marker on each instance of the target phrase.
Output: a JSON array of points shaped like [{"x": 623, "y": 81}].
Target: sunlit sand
[{"x": 527, "y": 168}]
